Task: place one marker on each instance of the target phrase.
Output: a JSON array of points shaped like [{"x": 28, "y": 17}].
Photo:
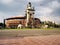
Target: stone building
[{"x": 27, "y": 21}]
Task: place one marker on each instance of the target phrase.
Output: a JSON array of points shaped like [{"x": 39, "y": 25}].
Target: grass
[
  {"x": 34, "y": 29},
  {"x": 51, "y": 29}
]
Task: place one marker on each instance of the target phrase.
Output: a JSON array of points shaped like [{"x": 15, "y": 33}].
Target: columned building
[{"x": 26, "y": 21}]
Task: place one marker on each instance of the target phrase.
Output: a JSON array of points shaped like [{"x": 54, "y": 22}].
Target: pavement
[{"x": 31, "y": 40}]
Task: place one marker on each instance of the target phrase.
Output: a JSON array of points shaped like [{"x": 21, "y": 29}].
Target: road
[
  {"x": 35, "y": 40},
  {"x": 29, "y": 37},
  {"x": 24, "y": 33}
]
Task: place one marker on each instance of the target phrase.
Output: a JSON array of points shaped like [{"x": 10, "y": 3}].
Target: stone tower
[{"x": 29, "y": 15}]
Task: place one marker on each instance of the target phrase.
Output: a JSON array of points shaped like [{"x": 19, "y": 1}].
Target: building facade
[{"x": 26, "y": 21}]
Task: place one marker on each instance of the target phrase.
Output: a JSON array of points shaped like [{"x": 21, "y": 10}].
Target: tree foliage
[
  {"x": 2, "y": 25},
  {"x": 51, "y": 24}
]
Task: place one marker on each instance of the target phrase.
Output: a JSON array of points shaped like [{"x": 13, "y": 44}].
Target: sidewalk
[{"x": 34, "y": 40}]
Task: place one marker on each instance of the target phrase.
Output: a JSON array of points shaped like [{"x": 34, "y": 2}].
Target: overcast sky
[{"x": 45, "y": 9}]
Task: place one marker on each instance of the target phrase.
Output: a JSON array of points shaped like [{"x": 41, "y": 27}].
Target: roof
[
  {"x": 16, "y": 18},
  {"x": 37, "y": 19}
]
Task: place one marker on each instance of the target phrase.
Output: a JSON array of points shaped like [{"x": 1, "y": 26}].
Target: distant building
[{"x": 26, "y": 21}]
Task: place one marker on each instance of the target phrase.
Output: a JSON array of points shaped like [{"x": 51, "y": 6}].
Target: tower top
[
  {"x": 30, "y": 7},
  {"x": 29, "y": 4}
]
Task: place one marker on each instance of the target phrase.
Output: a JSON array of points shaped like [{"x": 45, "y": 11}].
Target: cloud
[
  {"x": 51, "y": 18},
  {"x": 58, "y": 1},
  {"x": 13, "y": 8},
  {"x": 2, "y": 16},
  {"x": 48, "y": 11},
  {"x": 34, "y": 1},
  {"x": 7, "y": 1},
  {"x": 45, "y": 9},
  {"x": 44, "y": 13},
  {"x": 56, "y": 12},
  {"x": 54, "y": 4},
  {"x": 45, "y": 2}
]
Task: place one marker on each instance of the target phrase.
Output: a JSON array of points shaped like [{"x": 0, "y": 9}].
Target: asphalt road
[
  {"x": 24, "y": 33},
  {"x": 29, "y": 37}
]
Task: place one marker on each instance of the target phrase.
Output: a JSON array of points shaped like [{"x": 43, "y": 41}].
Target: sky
[{"x": 45, "y": 10}]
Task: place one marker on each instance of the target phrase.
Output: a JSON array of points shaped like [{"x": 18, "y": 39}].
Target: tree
[{"x": 2, "y": 25}]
